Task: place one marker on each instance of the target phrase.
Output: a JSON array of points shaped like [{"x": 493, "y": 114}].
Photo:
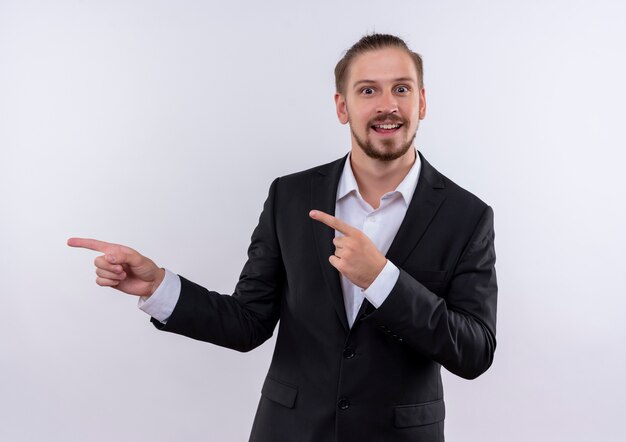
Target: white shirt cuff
[
  {"x": 162, "y": 302},
  {"x": 378, "y": 290}
]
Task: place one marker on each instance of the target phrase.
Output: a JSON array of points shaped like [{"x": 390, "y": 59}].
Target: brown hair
[{"x": 373, "y": 42}]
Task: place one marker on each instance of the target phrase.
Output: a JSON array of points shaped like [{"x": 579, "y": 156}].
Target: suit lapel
[
  {"x": 422, "y": 209},
  {"x": 323, "y": 197}
]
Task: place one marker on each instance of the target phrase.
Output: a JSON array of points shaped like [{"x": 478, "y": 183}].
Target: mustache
[{"x": 387, "y": 118}]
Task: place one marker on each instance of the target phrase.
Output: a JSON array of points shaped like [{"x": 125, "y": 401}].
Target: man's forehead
[{"x": 387, "y": 64}]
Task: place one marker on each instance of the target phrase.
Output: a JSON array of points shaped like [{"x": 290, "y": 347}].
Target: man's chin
[
  {"x": 385, "y": 153},
  {"x": 383, "y": 150}
]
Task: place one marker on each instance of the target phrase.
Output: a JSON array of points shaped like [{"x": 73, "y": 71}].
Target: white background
[{"x": 160, "y": 124}]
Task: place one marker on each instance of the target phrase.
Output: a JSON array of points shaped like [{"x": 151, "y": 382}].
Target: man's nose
[{"x": 388, "y": 103}]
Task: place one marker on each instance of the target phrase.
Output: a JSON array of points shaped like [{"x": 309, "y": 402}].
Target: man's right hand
[{"x": 122, "y": 268}]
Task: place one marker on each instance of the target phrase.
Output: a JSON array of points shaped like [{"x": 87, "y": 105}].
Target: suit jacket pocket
[
  {"x": 279, "y": 392},
  {"x": 419, "y": 414}
]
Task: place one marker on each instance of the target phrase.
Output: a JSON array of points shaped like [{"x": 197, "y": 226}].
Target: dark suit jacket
[{"x": 379, "y": 380}]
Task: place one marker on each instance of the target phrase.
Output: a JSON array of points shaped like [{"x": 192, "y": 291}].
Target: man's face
[{"x": 383, "y": 103}]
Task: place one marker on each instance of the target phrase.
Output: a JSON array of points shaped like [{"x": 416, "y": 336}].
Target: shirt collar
[{"x": 348, "y": 184}]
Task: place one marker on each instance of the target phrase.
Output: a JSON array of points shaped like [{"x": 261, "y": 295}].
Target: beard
[{"x": 388, "y": 152}]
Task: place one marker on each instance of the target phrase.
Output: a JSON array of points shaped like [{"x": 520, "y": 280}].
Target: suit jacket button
[
  {"x": 348, "y": 353},
  {"x": 343, "y": 404}
]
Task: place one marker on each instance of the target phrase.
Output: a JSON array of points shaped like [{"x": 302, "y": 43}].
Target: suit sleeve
[
  {"x": 246, "y": 319},
  {"x": 457, "y": 331}
]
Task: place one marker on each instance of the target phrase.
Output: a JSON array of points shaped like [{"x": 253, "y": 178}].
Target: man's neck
[{"x": 375, "y": 177}]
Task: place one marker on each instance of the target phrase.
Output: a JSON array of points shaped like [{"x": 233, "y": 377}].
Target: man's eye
[
  {"x": 367, "y": 91},
  {"x": 402, "y": 89}
]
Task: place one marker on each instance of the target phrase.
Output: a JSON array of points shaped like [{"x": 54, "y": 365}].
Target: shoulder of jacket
[{"x": 305, "y": 175}]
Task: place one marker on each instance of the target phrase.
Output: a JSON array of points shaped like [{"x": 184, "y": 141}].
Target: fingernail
[
  {"x": 111, "y": 258},
  {"x": 312, "y": 213}
]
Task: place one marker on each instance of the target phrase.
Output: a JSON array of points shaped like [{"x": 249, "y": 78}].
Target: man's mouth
[{"x": 386, "y": 128}]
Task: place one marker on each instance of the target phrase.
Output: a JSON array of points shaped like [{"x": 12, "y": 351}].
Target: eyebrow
[{"x": 395, "y": 80}]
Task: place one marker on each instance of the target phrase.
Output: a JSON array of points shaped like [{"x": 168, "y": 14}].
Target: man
[{"x": 379, "y": 268}]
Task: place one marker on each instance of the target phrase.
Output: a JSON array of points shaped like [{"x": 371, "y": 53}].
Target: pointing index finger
[
  {"x": 331, "y": 221},
  {"x": 91, "y": 244},
  {"x": 115, "y": 253}
]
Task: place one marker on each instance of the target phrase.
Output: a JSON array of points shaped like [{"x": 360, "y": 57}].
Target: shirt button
[
  {"x": 348, "y": 353},
  {"x": 343, "y": 404}
]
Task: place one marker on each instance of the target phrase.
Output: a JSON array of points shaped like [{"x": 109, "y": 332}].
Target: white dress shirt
[{"x": 380, "y": 225}]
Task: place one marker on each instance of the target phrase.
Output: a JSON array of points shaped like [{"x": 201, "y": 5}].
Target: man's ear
[
  {"x": 342, "y": 109},
  {"x": 422, "y": 104}
]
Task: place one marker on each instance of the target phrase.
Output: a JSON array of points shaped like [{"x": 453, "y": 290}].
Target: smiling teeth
[{"x": 387, "y": 126}]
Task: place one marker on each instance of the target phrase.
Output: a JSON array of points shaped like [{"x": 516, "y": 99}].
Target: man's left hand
[{"x": 356, "y": 256}]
